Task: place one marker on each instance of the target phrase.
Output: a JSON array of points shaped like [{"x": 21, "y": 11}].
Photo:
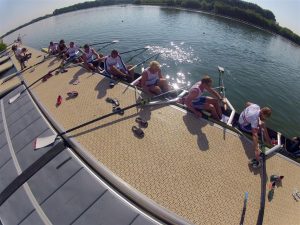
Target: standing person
[
  {"x": 21, "y": 55},
  {"x": 152, "y": 79},
  {"x": 90, "y": 62},
  {"x": 115, "y": 66},
  {"x": 195, "y": 100},
  {"x": 53, "y": 48},
  {"x": 251, "y": 120}
]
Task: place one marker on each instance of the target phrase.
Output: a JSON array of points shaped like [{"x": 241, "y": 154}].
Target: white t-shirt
[
  {"x": 19, "y": 51},
  {"x": 250, "y": 115},
  {"x": 110, "y": 61},
  {"x": 73, "y": 51}
]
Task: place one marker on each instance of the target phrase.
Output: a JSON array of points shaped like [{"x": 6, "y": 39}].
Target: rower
[
  {"x": 251, "y": 120},
  {"x": 195, "y": 100},
  {"x": 62, "y": 48},
  {"x": 152, "y": 79},
  {"x": 53, "y": 48},
  {"x": 71, "y": 55},
  {"x": 21, "y": 55},
  {"x": 90, "y": 62},
  {"x": 115, "y": 66}
]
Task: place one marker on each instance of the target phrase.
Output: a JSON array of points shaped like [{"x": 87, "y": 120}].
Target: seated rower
[
  {"x": 251, "y": 120},
  {"x": 62, "y": 48},
  {"x": 90, "y": 62},
  {"x": 152, "y": 79},
  {"x": 53, "y": 48},
  {"x": 115, "y": 66},
  {"x": 21, "y": 55},
  {"x": 195, "y": 100},
  {"x": 71, "y": 55}
]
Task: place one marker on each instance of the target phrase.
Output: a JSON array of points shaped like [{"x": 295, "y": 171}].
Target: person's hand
[
  {"x": 224, "y": 101},
  {"x": 257, "y": 153}
]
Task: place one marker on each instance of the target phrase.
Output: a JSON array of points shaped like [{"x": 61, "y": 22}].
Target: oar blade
[
  {"x": 11, "y": 100},
  {"x": 44, "y": 141}
]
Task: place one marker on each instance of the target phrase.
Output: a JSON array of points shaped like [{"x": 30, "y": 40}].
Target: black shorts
[{"x": 95, "y": 63}]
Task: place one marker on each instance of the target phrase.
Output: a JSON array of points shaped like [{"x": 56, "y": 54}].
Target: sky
[{"x": 14, "y": 13}]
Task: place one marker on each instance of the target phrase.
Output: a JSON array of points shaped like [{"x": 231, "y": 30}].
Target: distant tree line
[
  {"x": 92, "y": 4},
  {"x": 238, "y": 9},
  {"x": 26, "y": 24}
]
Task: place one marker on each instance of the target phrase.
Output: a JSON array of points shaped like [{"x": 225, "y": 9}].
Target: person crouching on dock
[
  {"x": 195, "y": 100},
  {"x": 252, "y": 120},
  {"x": 152, "y": 79}
]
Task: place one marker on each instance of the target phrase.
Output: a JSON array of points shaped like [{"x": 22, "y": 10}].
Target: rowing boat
[
  {"x": 194, "y": 167},
  {"x": 6, "y": 66},
  {"x": 3, "y": 59}
]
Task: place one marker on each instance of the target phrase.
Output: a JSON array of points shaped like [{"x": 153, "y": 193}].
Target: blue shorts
[
  {"x": 71, "y": 58},
  {"x": 154, "y": 84},
  {"x": 199, "y": 103},
  {"x": 246, "y": 128}
]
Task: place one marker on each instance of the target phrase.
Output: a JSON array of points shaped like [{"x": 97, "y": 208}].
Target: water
[{"x": 259, "y": 67}]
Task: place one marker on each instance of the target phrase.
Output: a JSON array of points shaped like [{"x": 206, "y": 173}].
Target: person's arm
[
  {"x": 95, "y": 54},
  {"x": 144, "y": 79},
  {"x": 188, "y": 101},
  {"x": 160, "y": 74},
  {"x": 214, "y": 93},
  {"x": 255, "y": 142},
  {"x": 266, "y": 133}
]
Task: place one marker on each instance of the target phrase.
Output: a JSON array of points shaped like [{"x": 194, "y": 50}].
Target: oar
[
  {"x": 134, "y": 50},
  {"x": 14, "y": 98},
  {"x": 111, "y": 43},
  {"x": 141, "y": 63},
  {"x": 45, "y": 141},
  {"x": 244, "y": 209},
  {"x": 136, "y": 55},
  {"x": 105, "y": 42}
]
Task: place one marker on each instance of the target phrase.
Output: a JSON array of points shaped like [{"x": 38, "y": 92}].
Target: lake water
[{"x": 259, "y": 67}]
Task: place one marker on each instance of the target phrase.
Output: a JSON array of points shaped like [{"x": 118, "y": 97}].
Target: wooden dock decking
[{"x": 190, "y": 166}]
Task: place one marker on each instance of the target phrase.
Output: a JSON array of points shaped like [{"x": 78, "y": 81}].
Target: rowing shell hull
[
  {"x": 3, "y": 59},
  {"x": 6, "y": 66}
]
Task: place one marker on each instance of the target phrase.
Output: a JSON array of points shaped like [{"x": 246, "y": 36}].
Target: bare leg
[
  {"x": 163, "y": 84},
  {"x": 118, "y": 73},
  {"x": 155, "y": 89},
  {"x": 216, "y": 105},
  {"x": 212, "y": 110}
]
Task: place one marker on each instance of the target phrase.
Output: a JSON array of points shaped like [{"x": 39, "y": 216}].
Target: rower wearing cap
[
  {"x": 115, "y": 66},
  {"x": 153, "y": 80},
  {"x": 251, "y": 120},
  {"x": 195, "y": 100}
]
